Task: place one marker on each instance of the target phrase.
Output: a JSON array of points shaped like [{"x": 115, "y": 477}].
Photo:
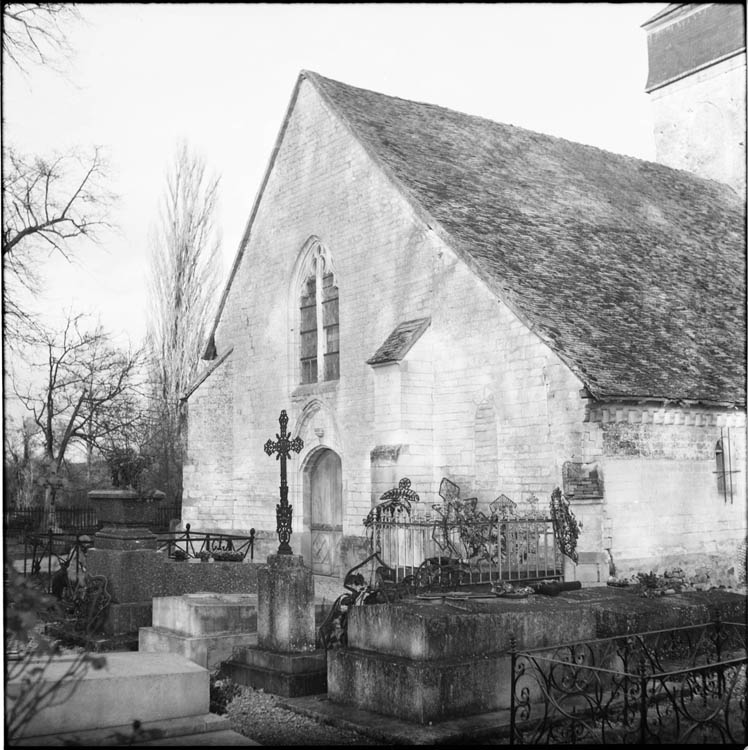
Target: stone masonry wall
[
  {"x": 699, "y": 123},
  {"x": 390, "y": 267},
  {"x": 208, "y": 498},
  {"x": 663, "y": 505},
  {"x": 476, "y": 358}
]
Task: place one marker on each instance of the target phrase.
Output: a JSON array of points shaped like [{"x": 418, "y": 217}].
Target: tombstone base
[
  {"x": 418, "y": 691},
  {"x": 289, "y": 675}
]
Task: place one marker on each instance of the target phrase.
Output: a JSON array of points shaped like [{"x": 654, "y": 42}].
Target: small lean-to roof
[
  {"x": 399, "y": 342},
  {"x": 633, "y": 272}
]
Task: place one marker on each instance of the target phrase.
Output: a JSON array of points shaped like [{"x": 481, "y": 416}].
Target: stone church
[{"x": 431, "y": 294}]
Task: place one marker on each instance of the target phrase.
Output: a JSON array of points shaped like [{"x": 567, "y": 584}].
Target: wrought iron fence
[
  {"x": 76, "y": 519},
  {"x": 679, "y": 686},
  {"x": 187, "y": 544},
  {"x": 447, "y": 552},
  {"x": 53, "y": 552},
  {"x": 458, "y": 543}
]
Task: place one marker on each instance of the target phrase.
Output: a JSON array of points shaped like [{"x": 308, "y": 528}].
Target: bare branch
[
  {"x": 51, "y": 204},
  {"x": 34, "y": 33}
]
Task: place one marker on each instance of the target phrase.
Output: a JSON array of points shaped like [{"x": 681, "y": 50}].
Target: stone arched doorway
[{"x": 323, "y": 496}]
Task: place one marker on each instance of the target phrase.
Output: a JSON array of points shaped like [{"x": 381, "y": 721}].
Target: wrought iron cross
[{"x": 282, "y": 447}]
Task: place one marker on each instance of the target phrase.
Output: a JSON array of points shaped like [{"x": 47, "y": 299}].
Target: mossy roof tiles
[{"x": 633, "y": 272}]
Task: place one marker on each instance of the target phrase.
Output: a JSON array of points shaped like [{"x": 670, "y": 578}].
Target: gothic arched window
[{"x": 319, "y": 327}]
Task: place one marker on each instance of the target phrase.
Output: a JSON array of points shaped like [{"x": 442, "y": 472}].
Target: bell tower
[{"x": 697, "y": 84}]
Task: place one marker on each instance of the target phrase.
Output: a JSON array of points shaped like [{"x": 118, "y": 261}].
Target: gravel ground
[{"x": 257, "y": 715}]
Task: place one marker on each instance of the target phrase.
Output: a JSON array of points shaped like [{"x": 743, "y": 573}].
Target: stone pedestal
[
  {"x": 285, "y": 660},
  {"x": 124, "y": 551},
  {"x": 285, "y": 605}
]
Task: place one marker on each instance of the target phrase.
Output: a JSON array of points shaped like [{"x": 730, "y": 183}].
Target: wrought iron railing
[
  {"x": 189, "y": 544},
  {"x": 458, "y": 543},
  {"x": 51, "y": 552},
  {"x": 679, "y": 686}
]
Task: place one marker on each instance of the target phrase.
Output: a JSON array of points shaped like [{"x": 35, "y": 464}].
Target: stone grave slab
[
  {"x": 162, "y": 691},
  {"x": 204, "y": 627}
]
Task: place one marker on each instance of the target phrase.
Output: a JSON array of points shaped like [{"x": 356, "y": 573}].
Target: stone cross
[{"x": 282, "y": 447}]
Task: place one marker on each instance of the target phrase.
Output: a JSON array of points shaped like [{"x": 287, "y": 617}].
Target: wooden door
[{"x": 326, "y": 491}]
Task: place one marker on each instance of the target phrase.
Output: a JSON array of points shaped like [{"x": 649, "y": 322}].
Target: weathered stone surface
[
  {"x": 132, "y": 575},
  {"x": 432, "y": 661},
  {"x": 287, "y": 674},
  {"x": 206, "y": 613},
  {"x": 125, "y": 538},
  {"x": 465, "y": 628},
  {"x": 124, "y": 508},
  {"x": 135, "y": 577},
  {"x": 131, "y": 686},
  {"x": 633, "y": 614},
  {"x": 285, "y": 605},
  {"x": 127, "y": 618},
  {"x": 209, "y": 651},
  {"x": 419, "y": 691}
]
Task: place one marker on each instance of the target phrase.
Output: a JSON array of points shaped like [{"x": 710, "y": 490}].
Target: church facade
[{"x": 430, "y": 294}]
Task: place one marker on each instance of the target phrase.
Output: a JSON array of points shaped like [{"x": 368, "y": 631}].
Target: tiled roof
[
  {"x": 399, "y": 342},
  {"x": 704, "y": 35},
  {"x": 633, "y": 272}
]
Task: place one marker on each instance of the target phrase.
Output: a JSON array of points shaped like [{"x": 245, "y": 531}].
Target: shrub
[{"x": 222, "y": 691}]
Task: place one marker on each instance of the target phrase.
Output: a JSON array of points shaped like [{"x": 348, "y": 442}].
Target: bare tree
[
  {"x": 184, "y": 277},
  {"x": 82, "y": 380},
  {"x": 35, "y": 32},
  {"x": 48, "y": 205}
]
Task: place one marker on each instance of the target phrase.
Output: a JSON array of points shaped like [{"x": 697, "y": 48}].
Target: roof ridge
[{"x": 317, "y": 77}]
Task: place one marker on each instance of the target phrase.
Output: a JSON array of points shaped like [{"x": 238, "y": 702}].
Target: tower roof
[{"x": 685, "y": 38}]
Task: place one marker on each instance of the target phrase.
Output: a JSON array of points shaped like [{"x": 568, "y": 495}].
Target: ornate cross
[{"x": 282, "y": 447}]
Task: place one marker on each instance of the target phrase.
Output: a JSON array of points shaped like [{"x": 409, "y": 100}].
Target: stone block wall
[
  {"x": 699, "y": 123},
  {"x": 208, "y": 497},
  {"x": 425, "y": 416},
  {"x": 663, "y": 505},
  {"x": 390, "y": 267}
]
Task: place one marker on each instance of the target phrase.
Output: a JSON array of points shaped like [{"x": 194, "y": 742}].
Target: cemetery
[
  {"x": 485, "y": 638},
  {"x": 503, "y": 500}
]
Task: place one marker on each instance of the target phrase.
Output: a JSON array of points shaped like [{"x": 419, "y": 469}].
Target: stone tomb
[
  {"x": 285, "y": 660},
  {"x": 137, "y": 573},
  {"x": 432, "y": 660},
  {"x": 205, "y": 627},
  {"x": 166, "y": 693}
]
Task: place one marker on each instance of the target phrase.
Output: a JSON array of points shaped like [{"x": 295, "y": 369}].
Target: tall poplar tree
[{"x": 184, "y": 276}]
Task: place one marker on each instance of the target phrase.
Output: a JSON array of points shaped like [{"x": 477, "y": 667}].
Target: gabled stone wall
[
  {"x": 390, "y": 267},
  {"x": 423, "y": 416}
]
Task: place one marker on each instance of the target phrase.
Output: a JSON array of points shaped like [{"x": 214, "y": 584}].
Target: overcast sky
[{"x": 220, "y": 76}]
